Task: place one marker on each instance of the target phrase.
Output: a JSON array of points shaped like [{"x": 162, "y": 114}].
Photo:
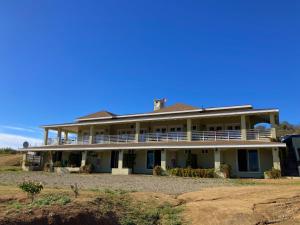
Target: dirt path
[{"x": 243, "y": 205}]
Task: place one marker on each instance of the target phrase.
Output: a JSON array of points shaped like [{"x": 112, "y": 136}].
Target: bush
[
  {"x": 57, "y": 164},
  {"x": 88, "y": 168},
  {"x": 273, "y": 173},
  {"x": 189, "y": 172},
  {"x": 157, "y": 171},
  {"x": 32, "y": 188},
  {"x": 226, "y": 170}
]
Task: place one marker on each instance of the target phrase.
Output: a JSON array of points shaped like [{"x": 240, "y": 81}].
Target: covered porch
[{"x": 244, "y": 162}]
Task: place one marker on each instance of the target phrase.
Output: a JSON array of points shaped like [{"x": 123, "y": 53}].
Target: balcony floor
[{"x": 161, "y": 145}]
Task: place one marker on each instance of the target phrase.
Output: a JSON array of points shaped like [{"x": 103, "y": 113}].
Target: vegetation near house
[
  {"x": 88, "y": 168},
  {"x": 273, "y": 173},
  {"x": 32, "y": 188},
  {"x": 189, "y": 172},
  {"x": 286, "y": 128},
  {"x": 8, "y": 151},
  {"x": 157, "y": 171}
]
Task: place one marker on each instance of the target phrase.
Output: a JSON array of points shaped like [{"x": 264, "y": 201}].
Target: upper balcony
[{"x": 226, "y": 135}]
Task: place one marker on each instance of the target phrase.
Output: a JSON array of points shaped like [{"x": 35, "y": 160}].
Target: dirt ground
[
  {"x": 262, "y": 204},
  {"x": 271, "y": 202},
  {"x": 10, "y": 159}
]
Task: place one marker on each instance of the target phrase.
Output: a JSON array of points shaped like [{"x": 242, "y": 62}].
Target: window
[
  {"x": 194, "y": 127},
  {"x": 175, "y": 129},
  {"x": 248, "y": 160},
  {"x": 153, "y": 159}
]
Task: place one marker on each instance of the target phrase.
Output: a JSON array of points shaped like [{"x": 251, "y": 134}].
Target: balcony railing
[
  {"x": 106, "y": 139},
  {"x": 227, "y": 135},
  {"x": 157, "y": 137},
  {"x": 216, "y": 135}
]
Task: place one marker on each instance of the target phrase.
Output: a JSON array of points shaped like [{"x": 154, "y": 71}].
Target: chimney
[{"x": 159, "y": 103}]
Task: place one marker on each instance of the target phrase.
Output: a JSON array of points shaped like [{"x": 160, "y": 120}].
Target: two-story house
[{"x": 167, "y": 136}]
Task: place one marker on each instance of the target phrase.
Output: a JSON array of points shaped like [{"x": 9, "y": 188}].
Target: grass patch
[
  {"x": 245, "y": 182},
  {"x": 133, "y": 212},
  {"x": 10, "y": 169},
  {"x": 51, "y": 199},
  {"x": 45, "y": 200}
]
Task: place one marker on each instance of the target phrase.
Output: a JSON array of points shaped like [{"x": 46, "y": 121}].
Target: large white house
[{"x": 135, "y": 143}]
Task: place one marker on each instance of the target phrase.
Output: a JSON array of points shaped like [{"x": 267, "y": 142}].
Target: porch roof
[
  {"x": 161, "y": 145},
  {"x": 161, "y": 117}
]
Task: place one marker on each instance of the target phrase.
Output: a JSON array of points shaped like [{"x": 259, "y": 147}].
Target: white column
[
  {"x": 273, "y": 124},
  {"x": 217, "y": 158},
  {"x": 163, "y": 163},
  {"x": 91, "y": 137},
  {"x": 137, "y": 131},
  {"x": 83, "y": 158},
  {"x": 46, "y": 134},
  {"x": 66, "y": 136},
  {"x": 51, "y": 161},
  {"x": 24, "y": 162},
  {"x": 243, "y": 127},
  {"x": 59, "y": 136},
  {"x": 120, "y": 161},
  {"x": 276, "y": 159},
  {"x": 189, "y": 129}
]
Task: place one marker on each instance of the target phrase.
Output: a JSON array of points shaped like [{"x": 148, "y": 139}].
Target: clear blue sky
[{"x": 63, "y": 59}]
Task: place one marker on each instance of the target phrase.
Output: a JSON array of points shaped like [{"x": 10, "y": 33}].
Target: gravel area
[{"x": 168, "y": 185}]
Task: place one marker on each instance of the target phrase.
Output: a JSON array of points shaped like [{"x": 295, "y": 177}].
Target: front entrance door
[{"x": 114, "y": 159}]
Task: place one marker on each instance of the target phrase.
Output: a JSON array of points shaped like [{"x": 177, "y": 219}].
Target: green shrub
[
  {"x": 32, "y": 188},
  {"x": 157, "y": 171},
  {"x": 189, "y": 172},
  {"x": 88, "y": 168},
  {"x": 273, "y": 173},
  {"x": 226, "y": 170}
]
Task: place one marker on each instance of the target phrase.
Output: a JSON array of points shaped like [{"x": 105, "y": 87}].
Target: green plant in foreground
[
  {"x": 32, "y": 188},
  {"x": 75, "y": 189},
  {"x": 50, "y": 199}
]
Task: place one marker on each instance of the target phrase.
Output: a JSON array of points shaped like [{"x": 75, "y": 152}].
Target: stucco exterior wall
[{"x": 229, "y": 156}]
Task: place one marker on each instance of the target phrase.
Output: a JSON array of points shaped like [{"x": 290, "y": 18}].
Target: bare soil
[
  {"x": 235, "y": 205},
  {"x": 277, "y": 204},
  {"x": 10, "y": 159}
]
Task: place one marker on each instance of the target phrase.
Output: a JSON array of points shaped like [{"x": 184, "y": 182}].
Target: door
[{"x": 114, "y": 159}]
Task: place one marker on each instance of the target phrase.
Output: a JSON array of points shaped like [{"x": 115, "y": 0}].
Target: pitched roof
[
  {"x": 176, "y": 107},
  {"x": 98, "y": 115}
]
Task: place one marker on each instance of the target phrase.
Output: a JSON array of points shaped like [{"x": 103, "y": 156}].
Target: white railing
[
  {"x": 216, "y": 135},
  {"x": 106, "y": 139},
  {"x": 226, "y": 135},
  {"x": 157, "y": 137},
  {"x": 70, "y": 141},
  {"x": 256, "y": 134},
  {"x": 52, "y": 141}
]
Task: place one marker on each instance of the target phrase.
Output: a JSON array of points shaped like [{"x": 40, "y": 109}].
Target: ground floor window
[
  {"x": 153, "y": 159},
  {"x": 248, "y": 160}
]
